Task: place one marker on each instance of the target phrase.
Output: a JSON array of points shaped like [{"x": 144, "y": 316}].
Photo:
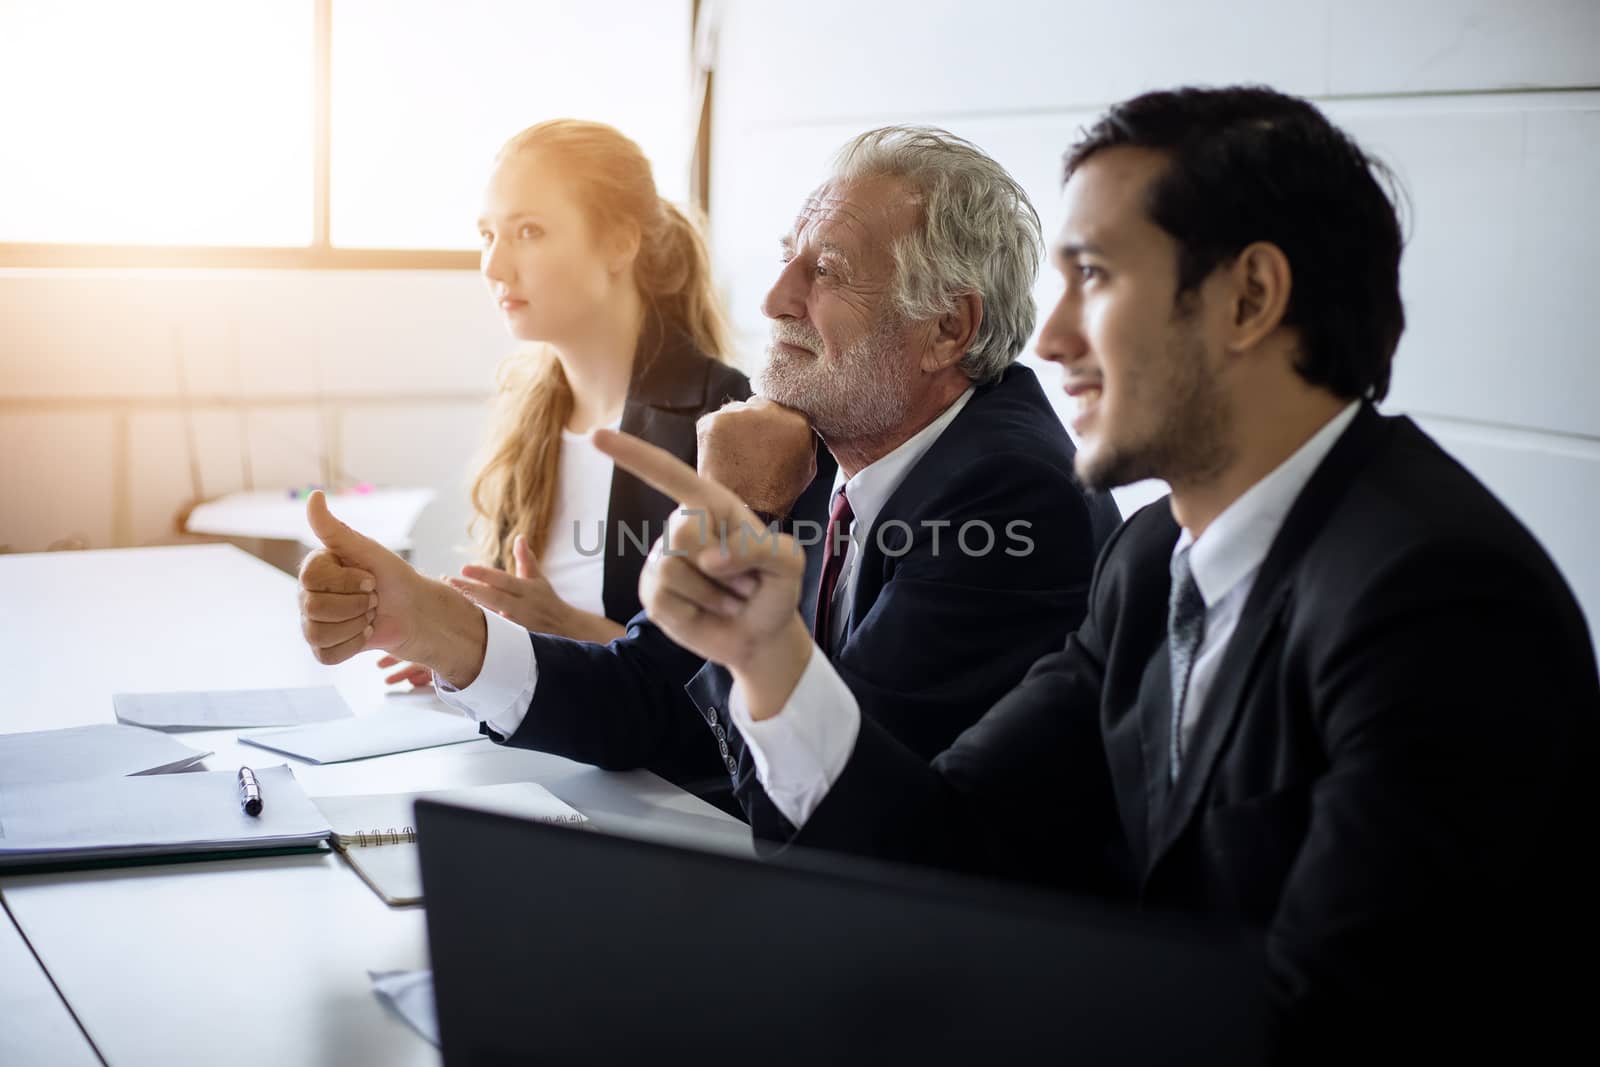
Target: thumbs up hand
[
  {"x": 355, "y": 594},
  {"x": 527, "y": 598}
]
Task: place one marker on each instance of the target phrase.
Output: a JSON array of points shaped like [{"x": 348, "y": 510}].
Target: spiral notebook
[{"x": 375, "y": 832}]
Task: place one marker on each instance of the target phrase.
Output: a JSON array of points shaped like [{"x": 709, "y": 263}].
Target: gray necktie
[{"x": 1186, "y": 627}]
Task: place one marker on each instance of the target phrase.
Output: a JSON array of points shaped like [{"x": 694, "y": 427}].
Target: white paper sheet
[
  {"x": 104, "y": 750},
  {"x": 377, "y": 733},
  {"x": 409, "y": 994},
  {"x": 230, "y": 709}
]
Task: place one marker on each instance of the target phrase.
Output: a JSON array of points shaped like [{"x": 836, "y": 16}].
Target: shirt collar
[
  {"x": 1236, "y": 542},
  {"x": 875, "y": 483}
]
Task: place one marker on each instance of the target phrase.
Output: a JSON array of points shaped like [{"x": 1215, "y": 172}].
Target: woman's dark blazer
[{"x": 674, "y": 383}]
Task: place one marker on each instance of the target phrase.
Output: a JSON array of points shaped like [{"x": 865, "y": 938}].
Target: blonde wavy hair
[{"x": 609, "y": 177}]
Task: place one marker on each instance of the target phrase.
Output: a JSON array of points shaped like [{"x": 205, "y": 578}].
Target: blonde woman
[{"x": 610, "y": 285}]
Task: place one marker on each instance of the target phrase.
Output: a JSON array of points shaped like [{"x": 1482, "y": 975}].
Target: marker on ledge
[{"x": 249, "y": 792}]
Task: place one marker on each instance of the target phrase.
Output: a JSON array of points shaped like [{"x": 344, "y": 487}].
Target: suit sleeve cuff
[
  {"x": 499, "y": 697},
  {"x": 801, "y": 751}
]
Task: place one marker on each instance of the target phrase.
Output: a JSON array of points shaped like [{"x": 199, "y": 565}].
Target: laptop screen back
[{"x": 552, "y": 945}]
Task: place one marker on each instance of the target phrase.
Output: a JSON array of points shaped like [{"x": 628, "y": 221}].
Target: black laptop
[{"x": 554, "y": 945}]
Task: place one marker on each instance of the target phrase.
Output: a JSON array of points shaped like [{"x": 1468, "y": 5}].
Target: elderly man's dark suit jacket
[
  {"x": 934, "y": 635},
  {"x": 1390, "y": 775}
]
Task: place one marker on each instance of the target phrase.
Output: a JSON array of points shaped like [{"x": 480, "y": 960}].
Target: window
[
  {"x": 425, "y": 93},
  {"x": 309, "y": 133},
  {"x": 162, "y": 122}
]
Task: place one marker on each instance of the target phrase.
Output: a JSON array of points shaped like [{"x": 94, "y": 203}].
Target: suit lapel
[
  {"x": 1262, "y": 615},
  {"x": 1129, "y": 604},
  {"x": 813, "y": 507},
  {"x": 868, "y": 567},
  {"x": 922, "y": 482},
  {"x": 665, "y": 396}
]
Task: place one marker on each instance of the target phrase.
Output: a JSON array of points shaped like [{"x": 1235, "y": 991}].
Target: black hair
[{"x": 1248, "y": 164}]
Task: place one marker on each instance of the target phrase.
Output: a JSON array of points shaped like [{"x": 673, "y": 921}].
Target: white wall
[
  {"x": 1489, "y": 111},
  {"x": 389, "y": 371}
]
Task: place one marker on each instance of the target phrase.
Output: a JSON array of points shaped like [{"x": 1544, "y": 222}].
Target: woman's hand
[
  {"x": 414, "y": 673},
  {"x": 527, "y": 599}
]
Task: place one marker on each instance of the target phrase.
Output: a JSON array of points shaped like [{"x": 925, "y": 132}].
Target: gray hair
[{"x": 979, "y": 234}]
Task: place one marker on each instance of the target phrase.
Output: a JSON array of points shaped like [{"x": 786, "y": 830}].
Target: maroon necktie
[{"x": 832, "y": 563}]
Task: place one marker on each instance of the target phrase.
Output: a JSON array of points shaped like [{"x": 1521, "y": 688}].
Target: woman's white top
[{"x": 574, "y": 558}]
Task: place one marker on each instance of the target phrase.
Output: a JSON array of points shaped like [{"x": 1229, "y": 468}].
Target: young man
[{"x": 1330, "y": 687}]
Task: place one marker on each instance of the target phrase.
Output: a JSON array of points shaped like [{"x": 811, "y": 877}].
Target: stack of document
[{"x": 89, "y": 821}]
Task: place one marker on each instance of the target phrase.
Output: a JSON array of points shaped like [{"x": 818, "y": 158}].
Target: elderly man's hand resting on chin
[
  {"x": 356, "y": 595},
  {"x": 764, "y": 452},
  {"x": 719, "y": 582}
]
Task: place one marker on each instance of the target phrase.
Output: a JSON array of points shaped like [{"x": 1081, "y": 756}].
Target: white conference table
[
  {"x": 35, "y": 1026},
  {"x": 254, "y": 960}
]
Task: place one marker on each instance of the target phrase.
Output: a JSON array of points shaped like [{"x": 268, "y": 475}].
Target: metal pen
[{"x": 249, "y": 791}]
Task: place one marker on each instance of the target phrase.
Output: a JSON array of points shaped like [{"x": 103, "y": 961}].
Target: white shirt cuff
[
  {"x": 801, "y": 751},
  {"x": 503, "y": 690}
]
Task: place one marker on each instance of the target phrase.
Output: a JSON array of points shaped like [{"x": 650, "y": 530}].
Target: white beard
[{"x": 859, "y": 395}]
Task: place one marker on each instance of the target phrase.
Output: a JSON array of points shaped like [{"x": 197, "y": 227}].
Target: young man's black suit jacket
[
  {"x": 1388, "y": 775},
  {"x": 934, "y": 636}
]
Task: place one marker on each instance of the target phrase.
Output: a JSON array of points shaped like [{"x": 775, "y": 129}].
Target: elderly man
[
  {"x": 1331, "y": 687},
  {"x": 958, "y": 545}
]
